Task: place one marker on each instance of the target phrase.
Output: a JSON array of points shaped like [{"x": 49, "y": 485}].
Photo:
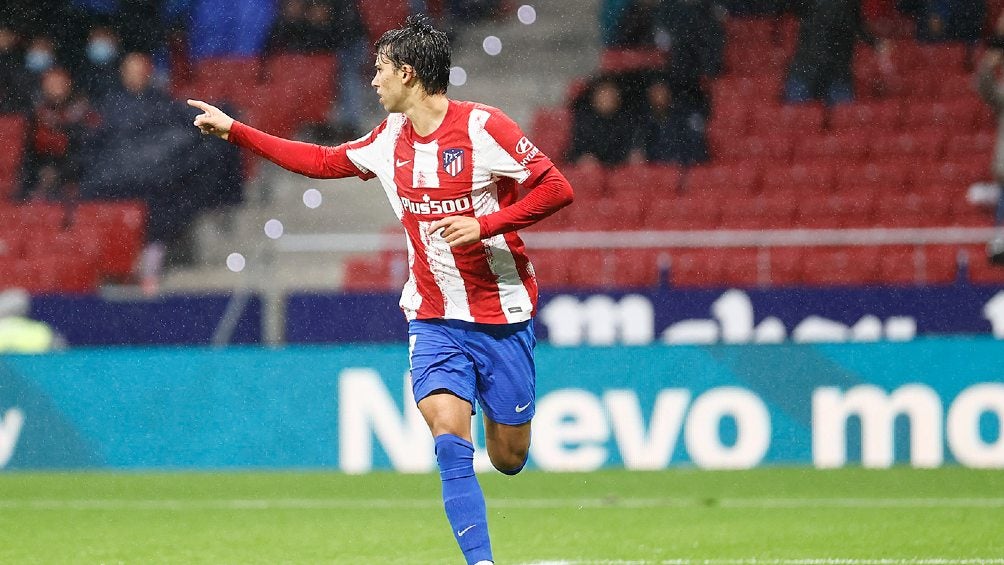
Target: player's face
[{"x": 389, "y": 84}]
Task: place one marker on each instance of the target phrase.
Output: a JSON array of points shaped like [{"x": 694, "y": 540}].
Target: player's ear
[{"x": 407, "y": 73}]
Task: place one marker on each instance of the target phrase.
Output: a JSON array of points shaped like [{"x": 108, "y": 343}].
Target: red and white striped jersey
[{"x": 469, "y": 166}]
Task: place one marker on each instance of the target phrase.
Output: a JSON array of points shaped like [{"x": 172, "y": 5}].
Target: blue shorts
[{"x": 491, "y": 364}]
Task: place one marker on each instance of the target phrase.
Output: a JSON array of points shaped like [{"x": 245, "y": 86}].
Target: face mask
[
  {"x": 101, "y": 51},
  {"x": 38, "y": 60}
]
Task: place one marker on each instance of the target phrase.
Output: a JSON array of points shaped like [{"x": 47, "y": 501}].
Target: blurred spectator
[
  {"x": 144, "y": 148},
  {"x": 988, "y": 84},
  {"x": 603, "y": 129},
  {"x": 821, "y": 68},
  {"x": 947, "y": 20},
  {"x": 317, "y": 26},
  {"x": 59, "y": 122},
  {"x": 227, "y": 28},
  {"x": 15, "y": 89},
  {"x": 303, "y": 26},
  {"x": 636, "y": 26},
  {"x": 671, "y": 132},
  {"x": 18, "y": 332},
  {"x": 99, "y": 72},
  {"x": 39, "y": 57},
  {"x": 696, "y": 32}
]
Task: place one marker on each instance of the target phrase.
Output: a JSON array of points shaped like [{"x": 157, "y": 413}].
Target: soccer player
[{"x": 450, "y": 170}]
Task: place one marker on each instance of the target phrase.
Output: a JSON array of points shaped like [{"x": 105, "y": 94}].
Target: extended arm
[{"x": 306, "y": 159}]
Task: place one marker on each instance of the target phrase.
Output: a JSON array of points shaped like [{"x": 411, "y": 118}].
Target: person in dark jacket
[
  {"x": 827, "y": 35},
  {"x": 602, "y": 130}
]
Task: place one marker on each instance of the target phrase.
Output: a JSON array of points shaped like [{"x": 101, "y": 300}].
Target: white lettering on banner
[
  {"x": 993, "y": 310},
  {"x": 963, "y": 426},
  {"x": 10, "y": 431},
  {"x": 601, "y": 320},
  {"x": 365, "y": 409},
  {"x": 571, "y": 428},
  {"x": 703, "y": 435},
  {"x": 655, "y": 449},
  {"x": 569, "y": 431},
  {"x": 877, "y": 412}
]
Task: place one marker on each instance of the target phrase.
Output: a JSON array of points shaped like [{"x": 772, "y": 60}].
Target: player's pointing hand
[
  {"x": 212, "y": 120},
  {"x": 458, "y": 230}
]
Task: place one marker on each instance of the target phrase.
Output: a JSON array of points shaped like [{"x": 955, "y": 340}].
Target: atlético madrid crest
[{"x": 453, "y": 161}]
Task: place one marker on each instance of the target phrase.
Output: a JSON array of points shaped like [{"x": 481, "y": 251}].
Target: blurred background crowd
[{"x": 752, "y": 114}]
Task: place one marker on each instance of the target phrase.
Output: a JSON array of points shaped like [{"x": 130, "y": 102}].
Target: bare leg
[{"x": 507, "y": 445}]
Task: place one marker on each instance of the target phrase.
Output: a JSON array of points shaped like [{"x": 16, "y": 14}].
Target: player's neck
[{"x": 428, "y": 113}]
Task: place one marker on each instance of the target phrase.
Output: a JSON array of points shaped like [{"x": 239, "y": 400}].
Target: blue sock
[{"x": 462, "y": 497}]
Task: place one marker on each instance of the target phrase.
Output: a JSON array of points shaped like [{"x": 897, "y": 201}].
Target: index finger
[
  {"x": 200, "y": 105},
  {"x": 442, "y": 223}
]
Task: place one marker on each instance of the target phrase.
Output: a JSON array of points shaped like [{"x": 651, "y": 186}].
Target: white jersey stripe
[
  {"x": 378, "y": 158},
  {"x": 514, "y": 298},
  {"x": 446, "y": 274},
  {"x": 425, "y": 170},
  {"x": 411, "y": 299}
]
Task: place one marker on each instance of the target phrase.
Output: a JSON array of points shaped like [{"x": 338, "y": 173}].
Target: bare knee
[
  {"x": 508, "y": 460},
  {"x": 507, "y": 445}
]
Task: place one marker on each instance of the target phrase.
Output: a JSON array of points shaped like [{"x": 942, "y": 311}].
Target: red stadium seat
[
  {"x": 882, "y": 116},
  {"x": 743, "y": 267},
  {"x": 728, "y": 121},
  {"x": 950, "y": 175},
  {"x": 981, "y": 271},
  {"x": 379, "y": 17},
  {"x": 901, "y": 265},
  {"x": 224, "y": 79},
  {"x": 656, "y": 180},
  {"x": 968, "y": 145},
  {"x": 552, "y": 132},
  {"x": 734, "y": 179},
  {"x": 683, "y": 213},
  {"x": 803, "y": 118},
  {"x": 588, "y": 179},
  {"x": 922, "y": 145},
  {"x": 307, "y": 79},
  {"x": 696, "y": 268},
  {"x": 775, "y": 148},
  {"x": 743, "y": 60},
  {"x": 760, "y": 212},
  {"x": 848, "y": 146},
  {"x": 886, "y": 176},
  {"x": 840, "y": 266},
  {"x": 618, "y": 60},
  {"x": 785, "y": 266},
  {"x": 621, "y": 212},
  {"x": 799, "y": 179},
  {"x": 958, "y": 116},
  {"x": 762, "y": 90},
  {"x": 849, "y": 207},
  {"x": 123, "y": 228},
  {"x": 550, "y": 267},
  {"x": 12, "y": 139}
]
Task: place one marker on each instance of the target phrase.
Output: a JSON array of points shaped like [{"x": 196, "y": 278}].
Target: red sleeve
[
  {"x": 547, "y": 195},
  {"x": 307, "y": 159}
]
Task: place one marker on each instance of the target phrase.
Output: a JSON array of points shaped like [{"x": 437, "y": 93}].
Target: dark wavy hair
[{"x": 423, "y": 47}]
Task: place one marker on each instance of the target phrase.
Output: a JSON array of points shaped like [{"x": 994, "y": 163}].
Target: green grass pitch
[{"x": 785, "y": 516}]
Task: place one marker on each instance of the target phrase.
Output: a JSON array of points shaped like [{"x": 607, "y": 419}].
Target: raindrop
[
  {"x": 235, "y": 262},
  {"x": 526, "y": 14},
  {"x": 492, "y": 45},
  {"x": 273, "y": 229},
  {"x": 312, "y": 198},
  {"x": 458, "y": 76}
]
